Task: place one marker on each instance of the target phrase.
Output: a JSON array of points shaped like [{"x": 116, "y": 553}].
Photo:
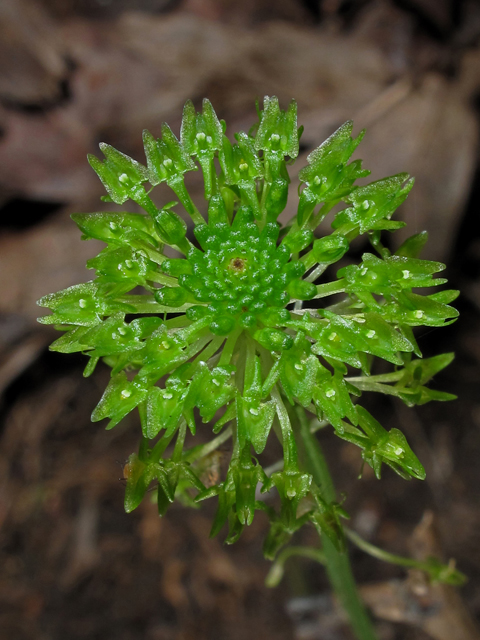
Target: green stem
[
  {"x": 288, "y": 438},
  {"x": 229, "y": 346},
  {"x": 209, "y": 447},
  {"x": 163, "y": 443},
  {"x": 177, "y": 452},
  {"x": 278, "y": 567},
  {"x": 177, "y": 185},
  {"x": 435, "y": 569},
  {"x": 203, "y": 356},
  {"x": 329, "y": 288},
  {"x": 338, "y": 564},
  {"x": 148, "y": 304}
]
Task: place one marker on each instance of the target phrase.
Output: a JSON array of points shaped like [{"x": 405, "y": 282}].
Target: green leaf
[
  {"x": 299, "y": 240},
  {"x": 167, "y": 160},
  {"x": 416, "y": 310},
  {"x": 116, "y": 228},
  {"x": 70, "y": 342},
  {"x": 162, "y": 353},
  {"x": 201, "y": 133},
  {"x": 277, "y": 132},
  {"x": 138, "y": 475},
  {"x": 79, "y": 305},
  {"x": 120, "y": 397},
  {"x": 292, "y": 486},
  {"x": 112, "y": 336},
  {"x": 328, "y": 177},
  {"x": 254, "y": 420},
  {"x": 171, "y": 227},
  {"x": 389, "y": 276},
  {"x": 326, "y": 519},
  {"x": 119, "y": 173},
  {"x": 373, "y": 202},
  {"x": 331, "y": 396},
  {"x": 119, "y": 264},
  {"x": 330, "y": 249},
  {"x": 164, "y": 409},
  {"x": 209, "y": 391},
  {"x": 412, "y": 247},
  {"x": 390, "y": 447}
]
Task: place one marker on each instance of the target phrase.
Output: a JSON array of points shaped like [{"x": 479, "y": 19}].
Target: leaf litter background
[{"x": 73, "y": 73}]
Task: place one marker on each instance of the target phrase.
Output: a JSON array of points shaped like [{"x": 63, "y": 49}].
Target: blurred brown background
[{"x": 73, "y": 73}]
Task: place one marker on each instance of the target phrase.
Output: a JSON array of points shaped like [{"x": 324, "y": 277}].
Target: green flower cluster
[
  {"x": 240, "y": 274},
  {"x": 226, "y": 333}
]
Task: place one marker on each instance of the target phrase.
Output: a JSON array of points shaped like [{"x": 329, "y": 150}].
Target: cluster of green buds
[{"x": 238, "y": 331}]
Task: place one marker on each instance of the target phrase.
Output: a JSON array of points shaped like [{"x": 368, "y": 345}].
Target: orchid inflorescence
[{"x": 235, "y": 331}]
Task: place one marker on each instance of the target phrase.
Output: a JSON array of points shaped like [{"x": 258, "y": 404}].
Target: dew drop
[
  {"x": 200, "y": 136},
  {"x": 114, "y": 336},
  {"x": 253, "y": 411},
  {"x": 371, "y": 333},
  {"x": 398, "y": 451},
  {"x": 419, "y": 313},
  {"x": 121, "y": 331},
  {"x": 243, "y": 166},
  {"x": 126, "y": 393},
  {"x": 209, "y": 139},
  {"x": 123, "y": 177},
  {"x": 167, "y": 396},
  {"x": 82, "y": 303},
  {"x": 216, "y": 382},
  {"x": 365, "y": 205},
  {"x": 332, "y": 336},
  {"x": 298, "y": 367},
  {"x": 330, "y": 393},
  {"x": 167, "y": 162},
  {"x": 128, "y": 264},
  {"x": 406, "y": 274}
]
